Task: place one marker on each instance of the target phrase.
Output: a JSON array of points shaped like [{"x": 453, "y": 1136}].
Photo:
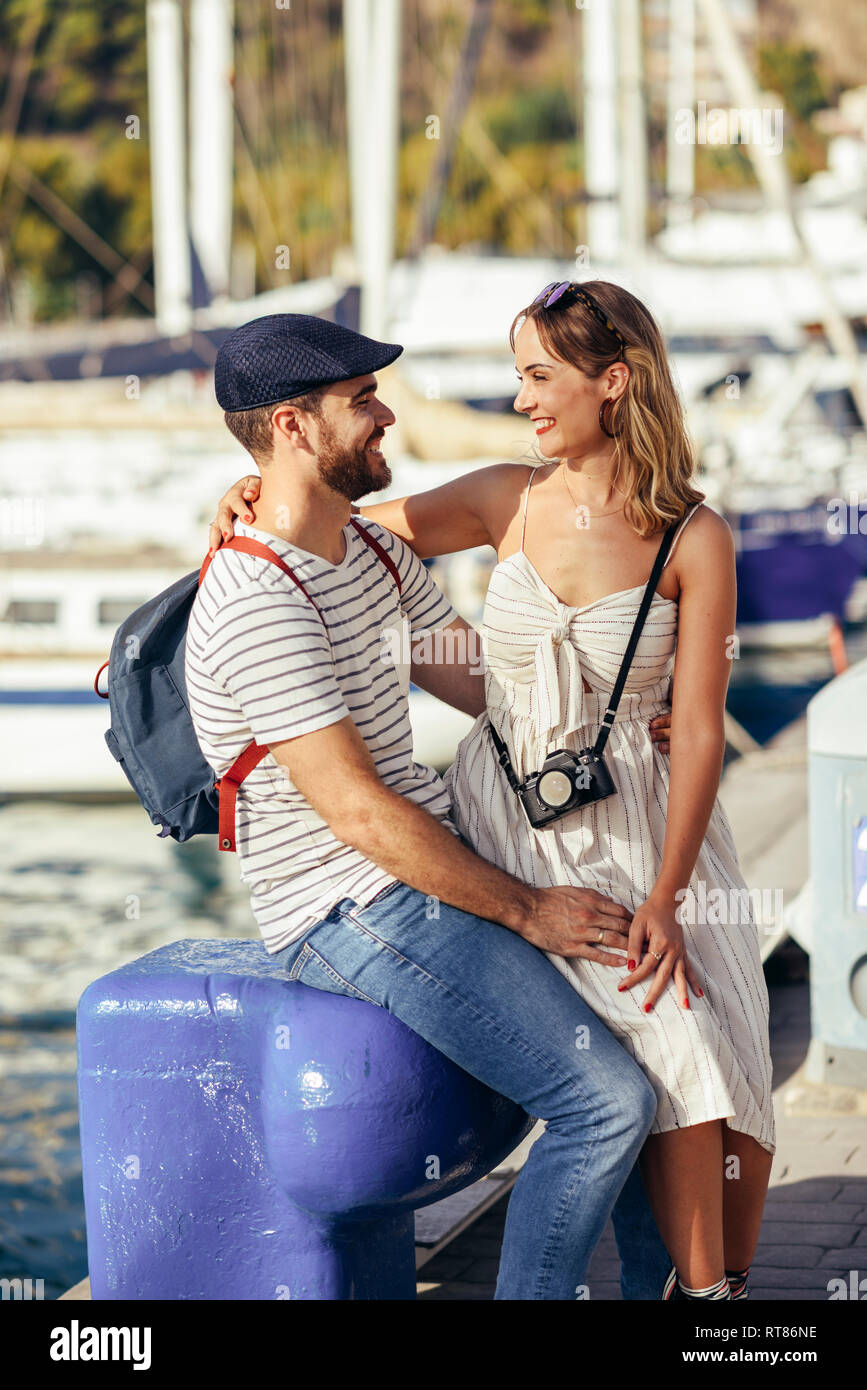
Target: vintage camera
[{"x": 567, "y": 780}]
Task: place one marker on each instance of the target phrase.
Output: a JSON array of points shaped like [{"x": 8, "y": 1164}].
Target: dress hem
[{"x": 729, "y": 1115}]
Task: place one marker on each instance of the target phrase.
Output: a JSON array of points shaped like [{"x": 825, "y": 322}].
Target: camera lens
[{"x": 554, "y": 788}]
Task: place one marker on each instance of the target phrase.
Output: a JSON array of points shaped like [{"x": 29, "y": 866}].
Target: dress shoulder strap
[
  {"x": 691, "y": 513},
  {"x": 526, "y": 500}
]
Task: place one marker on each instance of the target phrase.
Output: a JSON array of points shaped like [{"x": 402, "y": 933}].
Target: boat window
[
  {"x": 31, "y": 610},
  {"x": 112, "y": 611}
]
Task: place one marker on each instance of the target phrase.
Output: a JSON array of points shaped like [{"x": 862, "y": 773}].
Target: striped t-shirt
[{"x": 259, "y": 664}]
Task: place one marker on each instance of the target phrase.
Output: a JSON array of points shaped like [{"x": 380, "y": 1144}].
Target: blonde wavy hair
[{"x": 653, "y": 454}]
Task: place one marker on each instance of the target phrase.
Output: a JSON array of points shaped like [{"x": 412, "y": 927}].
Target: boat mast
[
  {"x": 601, "y": 165},
  {"x": 356, "y": 28},
  {"x": 172, "y": 275},
  {"x": 773, "y": 176},
  {"x": 211, "y": 139},
  {"x": 680, "y": 154},
  {"x": 372, "y": 57},
  {"x": 633, "y": 126}
]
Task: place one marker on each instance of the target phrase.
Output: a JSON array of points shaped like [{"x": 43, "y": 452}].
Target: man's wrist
[{"x": 519, "y": 911}]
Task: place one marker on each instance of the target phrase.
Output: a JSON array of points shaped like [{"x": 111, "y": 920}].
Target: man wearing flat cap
[{"x": 360, "y": 882}]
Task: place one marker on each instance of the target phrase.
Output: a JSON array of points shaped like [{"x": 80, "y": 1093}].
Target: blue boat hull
[{"x": 791, "y": 568}]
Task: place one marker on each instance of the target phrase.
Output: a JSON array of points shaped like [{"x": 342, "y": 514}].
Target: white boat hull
[{"x": 53, "y": 750}]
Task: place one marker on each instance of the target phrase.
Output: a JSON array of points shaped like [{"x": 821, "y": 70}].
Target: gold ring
[{"x": 654, "y": 953}]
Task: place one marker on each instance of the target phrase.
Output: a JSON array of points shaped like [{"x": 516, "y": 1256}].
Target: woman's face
[{"x": 561, "y": 400}]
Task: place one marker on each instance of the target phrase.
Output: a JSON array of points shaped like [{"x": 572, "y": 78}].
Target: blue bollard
[{"x": 247, "y": 1137}]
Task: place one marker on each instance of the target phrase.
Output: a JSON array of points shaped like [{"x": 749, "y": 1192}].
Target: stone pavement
[{"x": 815, "y": 1223}]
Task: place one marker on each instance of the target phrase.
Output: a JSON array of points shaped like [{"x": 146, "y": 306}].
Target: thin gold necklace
[{"x": 581, "y": 511}]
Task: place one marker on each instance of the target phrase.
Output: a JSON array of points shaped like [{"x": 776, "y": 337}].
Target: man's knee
[{"x": 640, "y": 1101}]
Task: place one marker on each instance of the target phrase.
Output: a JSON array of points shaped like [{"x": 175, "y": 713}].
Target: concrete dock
[{"x": 815, "y": 1223}]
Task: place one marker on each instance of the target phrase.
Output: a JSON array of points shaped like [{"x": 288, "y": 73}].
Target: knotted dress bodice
[{"x": 540, "y": 652}]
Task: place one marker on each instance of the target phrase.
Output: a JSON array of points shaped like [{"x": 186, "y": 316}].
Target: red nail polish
[
  {"x": 686, "y": 1003},
  {"x": 701, "y": 993},
  {"x": 631, "y": 964},
  {"x": 647, "y": 1008}
]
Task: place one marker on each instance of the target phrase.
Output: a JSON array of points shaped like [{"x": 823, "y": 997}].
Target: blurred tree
[
  {"x": 86, "y": 73},
  {"x": 531, "y": 116},
  {"x": 73, "y": 71},
  {"x": 795, "y": 72}
]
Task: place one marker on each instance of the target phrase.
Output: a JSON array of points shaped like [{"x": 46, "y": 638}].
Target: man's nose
[{"x": 385, "y": 416}]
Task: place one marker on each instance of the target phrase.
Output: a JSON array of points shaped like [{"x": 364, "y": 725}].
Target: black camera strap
[
  {"x": 646, "y": 600},
  {"x": 503, "y": 758},
  {"x": 608, "y": 718}
]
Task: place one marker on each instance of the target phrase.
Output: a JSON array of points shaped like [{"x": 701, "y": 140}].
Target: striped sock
[
  {"x": 738, "y": 1281},
  {"x": 675, "y": 1291},
  {"x": 713, "y": 1292}
]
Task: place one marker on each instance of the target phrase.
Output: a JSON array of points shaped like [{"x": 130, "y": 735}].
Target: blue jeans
[{"x": 495, "y": 1005}]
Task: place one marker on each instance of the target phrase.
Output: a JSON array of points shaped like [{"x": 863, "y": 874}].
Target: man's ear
[{"x": 286, "y": 421}]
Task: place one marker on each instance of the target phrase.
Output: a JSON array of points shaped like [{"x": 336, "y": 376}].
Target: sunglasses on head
[{"x": 554, "y": 294}]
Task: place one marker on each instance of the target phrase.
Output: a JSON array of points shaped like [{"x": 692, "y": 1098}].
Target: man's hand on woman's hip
[{"x": 578, "y": 922}]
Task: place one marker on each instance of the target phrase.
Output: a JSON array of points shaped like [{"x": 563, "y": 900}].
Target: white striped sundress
[{"x": 711, "y": 1061}]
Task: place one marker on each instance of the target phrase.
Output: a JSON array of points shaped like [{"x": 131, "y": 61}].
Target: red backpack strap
[
  {"x": 96, "y": 681},
  {"x": 378, "y": 550},
  {"x": 248, "y": 546},
  {"x": 227, "y": 788}
]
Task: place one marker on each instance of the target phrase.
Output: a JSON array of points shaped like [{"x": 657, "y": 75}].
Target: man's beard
[{"x": 351, "y": 472}]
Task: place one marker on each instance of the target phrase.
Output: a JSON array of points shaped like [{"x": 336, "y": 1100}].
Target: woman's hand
[
  {"x": 660, "y": 731},
  {"x": 656, "y": 931},
  {"x": 238, "y": 501}
]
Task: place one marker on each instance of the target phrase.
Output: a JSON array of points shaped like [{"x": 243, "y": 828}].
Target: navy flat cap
[{"x": 283, "y": 355}]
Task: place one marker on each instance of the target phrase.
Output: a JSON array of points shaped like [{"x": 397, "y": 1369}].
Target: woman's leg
[
  {"x": 708, "y": 1211},
  {"x": 744, "y": 1191},
  {"x": 683, "y": 1174}
]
